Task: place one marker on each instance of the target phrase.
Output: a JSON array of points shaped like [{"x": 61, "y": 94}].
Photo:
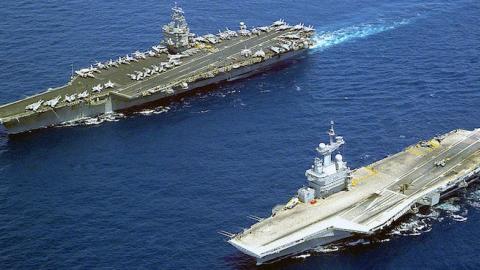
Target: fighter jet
[
  {"x": 283, "y": 27},
  {"x": 275, "y": 49},
  {"x": 200, "y": 39},
  {"x": 246, "y": 52},
  {"x": 34, "y": 106},
  {"x": 139, "y": 76},
  {"x": 97, "y": 88},
  {"x": 101, "y": 66},
  {"x": 112, "y": 63},
  {"x": 122, "y": 60},
  {"x": 109, "y": 84},
  {"x": 223, "y": 35},
  {"x": 211, "y": 38},
  {"x": 308, "y": 28},
  {"x": 243, "y": 30},
  {"x": 84, "y": 94},
  {"x": 278, "y": 23},
  {"x": 259, "y": 53},
  {"x": 290, "y": 36},
  {"x": 92, "y": 69},
  {"x": 175, "y": 56},
  {"x": 52, "y": 102},
  {"x": 264, "y": 28},
  {"x": 285, "y": 46},
  {"x": 159, "y": 48},
  {"x": 299, "y": 26},
  {"x": 231, "y": 33},
  {"x": 174, "y": 62},
  {"x": 84, "y": 72},
  {"x": 139, "y": 55},
  {"x": 151, "y": 53},
  {"x": 80, "y": 73},
  {"x": 128, "y": 58},
  {"x": 70, "y": 98}
]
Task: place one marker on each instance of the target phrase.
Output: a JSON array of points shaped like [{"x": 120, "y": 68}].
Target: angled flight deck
[{"x": 370, "y": 198}]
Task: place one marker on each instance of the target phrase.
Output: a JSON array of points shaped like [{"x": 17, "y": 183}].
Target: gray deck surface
[
  {"x": 377, "y": 188},
  {"x": 224, "y": 53}
]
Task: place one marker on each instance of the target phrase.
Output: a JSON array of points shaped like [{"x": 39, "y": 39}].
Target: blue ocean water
[{"x": 151, "y": 191}]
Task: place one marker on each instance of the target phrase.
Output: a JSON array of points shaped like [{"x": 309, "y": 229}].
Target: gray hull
[
  {"x": 118, "y": 102},
  {"x": 311, "y": 244},
  {"x": 377, "y": 196},
  {"x": 330, "y": 236}
]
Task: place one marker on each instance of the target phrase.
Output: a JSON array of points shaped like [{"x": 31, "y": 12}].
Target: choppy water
[{"x": 151, "y": 190}]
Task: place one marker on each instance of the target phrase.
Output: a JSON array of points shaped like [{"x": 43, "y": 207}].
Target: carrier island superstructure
[
  {"x": 181, "y": 62},
  {"x": 337, "y": 203}
]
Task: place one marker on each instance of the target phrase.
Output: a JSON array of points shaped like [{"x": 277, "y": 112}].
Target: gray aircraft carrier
[
  {"x": 337, "y": 202},
  {"x": 180, "y": 63}
]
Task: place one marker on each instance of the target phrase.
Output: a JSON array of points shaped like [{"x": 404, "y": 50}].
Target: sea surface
[{"x": 150, "y": 190}]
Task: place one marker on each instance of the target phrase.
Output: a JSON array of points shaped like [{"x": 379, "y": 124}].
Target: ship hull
[
  {"x": 81, "y": 111},
  {"x": 311, "y": 244},
  {"x": 331, "y": 236},
  {"x": 379, "y": 195}
]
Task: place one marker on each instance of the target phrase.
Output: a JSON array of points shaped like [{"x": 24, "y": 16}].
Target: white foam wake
[{"x": 324, "y": 40}]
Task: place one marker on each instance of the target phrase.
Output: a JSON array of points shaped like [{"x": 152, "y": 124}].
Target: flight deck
[
  {"x": 181, "y": 62},
  {"x": 375, "y": 196}
]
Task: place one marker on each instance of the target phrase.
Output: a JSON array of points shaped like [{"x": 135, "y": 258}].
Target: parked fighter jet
[
  {"x": 299, "y": 26},
  {"x": 259, "y": 53},
  {"x": 246, "y": 52},
  {"x": 286, "y": 46},
  {"x": 52, "y": 102},
  {"x": 109, "y": 84},
  {"x": 159, "y": 48},
  {"x": 34, "y": 106},
  {"x": 97, "y": 88},
  {"x": 128, "y": 58},
  {"x": 122, "y": 60},
  {"x": 139, "y": 55},
  {"x": 308, "y": 28},
  {"x": 92, "y": 69},
  {"x": 151, "y": 53},
  {"x": 112, "y": 63},
  {"x": 279, "y": 23},
  {"x": 84, "y": 94},
  {"x": 70, "y": 98},
  {"x": 101, "y": 66}
]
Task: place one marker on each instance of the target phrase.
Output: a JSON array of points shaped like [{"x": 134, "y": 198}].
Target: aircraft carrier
[
  {"x": 337, "y": 203},
  {"x": 181, "y": 62}
]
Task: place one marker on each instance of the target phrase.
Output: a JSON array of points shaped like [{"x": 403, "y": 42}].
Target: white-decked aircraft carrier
[
  {"x": 337, "y": 202},
  {"x": 180, "y": 63}
]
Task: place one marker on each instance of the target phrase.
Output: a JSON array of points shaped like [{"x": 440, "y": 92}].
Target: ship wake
[{"x": 327, "y": 39}]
